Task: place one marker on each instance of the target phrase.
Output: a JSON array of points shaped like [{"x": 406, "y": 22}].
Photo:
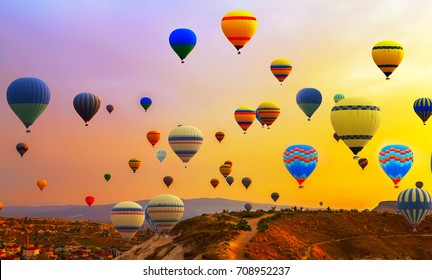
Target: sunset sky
[{"x": 119, "y": 50}]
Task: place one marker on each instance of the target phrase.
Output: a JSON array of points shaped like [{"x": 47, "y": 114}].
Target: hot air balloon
[
  {"x": 415, "y": 204},
  {"x": 225, "y": 170},
  {"x": 228, "y": 162},
  {"x": 1, "y": 206},
  {"x": 110, "y": 108},
  {"x": 107, "y": 177},
  {"x": 230, "y": 180},
  {"x": 300, "y": 161},
  {"x": 239, "y": 27},
  {"x": 214, "y": 182},
  {"x": 396, "y": 161},
  {"x": 28, "y": 98},
  {"x": 321, "y": 203},
  {"x": 246, "y": 181},
  {"x": 419, "y": 184},
  {"x": 244, "y": 116},
  {"x": 268, "y": 112},
  {"x": 336, "y": 137},
  {"x": 363, "y": 162},
  {"x": 134, "y": 164},
  {"x": 89, "y": 200},
  {"x": 338, "y": 97},
  {"x": 161, "y": 155},
  {"x": 220, "y": 136},
  {"x": 150, "y": 221},
  {"x": 248, "y": 207},
  {"x": 165, "y": 210},
  {"x": 22, "y": 148},
  {"x": 185, "y": 141},
  {"x": 387, "y": 55},
  {"x": 281, "y": 68},
  {"x": 259, "y": 119},
  {"x": 168, "y": 180},
  {"x": 275, "y": 196},
  {"x": 182, "y": 41},
  {"x": 309, "y": 99},
  {"x": 41, "y": 183},
  {"x": 146, "y": 102},
  {"x": 423, "y": 108},
  {"x": 127, "y": 217},
  {"x": 355, "y": 120},
  {"x": 86, "y": 104},
  {"x": 153, "y": 137}
]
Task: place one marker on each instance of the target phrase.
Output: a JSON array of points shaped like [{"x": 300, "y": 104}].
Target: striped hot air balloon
[
  {"x": 28, "y": 98},
  {"x": 161, "y": 155},
  {"x": 22, "y": 148},
  {"x": 355, "y": 120},
  {"x": 165, "y": 210},
  {"x": 86, "y": 104},
  {"x": 244, "y": 116},
  {"x": 268, "y": 112},
  {"x": 225, "y": 169},
  {"x": 239, "y": 27},
  {"x": 396, "y": 160},
  {"x": 300, "y": 161},
  {"x": 127, "y": 218},
  {"x": 182, "y": 41},
  {"x": 423, "y": 108},
  {"x": 309, "y": 99},
  {"x": 134, "y": 164},
  {"x": 415, "y": 205},
  {"x": 281, "y": 68},
  {"x": 387, "y": 55},
  {"x": 363, "y": 162},
  {"x": 214, "y": 182},
  {"x": 338, "y": 97},
  {"x": 220, "y": 136},
  {"x": 185, "y": 141},
  {"x": 153, "y": 137},
  {"x": 228, "y": 162}
]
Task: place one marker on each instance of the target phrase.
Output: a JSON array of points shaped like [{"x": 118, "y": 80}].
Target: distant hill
[{"x": 386, "y": 206}]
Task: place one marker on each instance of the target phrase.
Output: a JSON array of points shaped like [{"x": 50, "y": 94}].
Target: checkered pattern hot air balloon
[
  {"x": 300, "y": 161},
  {"x": 396, "y": 161},
  {"x": 414, "y": 204}
]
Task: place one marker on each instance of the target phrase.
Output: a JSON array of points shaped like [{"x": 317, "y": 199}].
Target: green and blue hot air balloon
[
  {"x": 300, "y": 160},
  {"x": 423, "y": 108},
  {"x": 396, "y": 160},
  {"x": 182, "y": 41},
  {"x": 414, "y": 204},
  {"x": 338, "y": 97},
  {"x": 146, "y": 102},
  {"x": 309, "y": 99}
]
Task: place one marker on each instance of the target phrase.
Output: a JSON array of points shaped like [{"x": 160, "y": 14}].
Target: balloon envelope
[
  {"x": 239, "y": 27},
  {"x": 275, "y": 196},
  {"x": 338, "y": 97},
  {"x": 309, "y": 99},
  {"x": 363, "y": 162},
  {"x": 168, "y": 180},
  {"x": 230, "y": 180},
  {"x": 396, "y": 160},
  {"x": 248, "y": 207},
  {"x": 161, "y": 155},
  {"x": 134, "y": 164},
  {"x": 146, "y": 102},
  {"x": 259, "y": 119},
  {"x": 127, "y": 217},
  {"x": 165, "y": 210},
  {"x": 414, "y": 204},
  {"x": 182, "y": 41},
  {"x": 153, "y": 137},
  {"x": 220, "y": 136},
  {"x": 41, "y": 183},
  {"x": 185, "y": 141},
  {"x": 246, "y": 181},
  {"x": 300, "y": 161},
  {"x": 22, "y": 148},
  {"x": 89, "y": 200},
  {"x": 214, "y": 183},
  {"x": 244, "y": 116},
  {"x": 268, "y": 112},
  {"x": 107, "y": 177},
  {"x": 225, "y": 170},
  {"x": 387, "y": 55},
  {"x": 281, "y": 68},
  {"x": 110, "y": 108},
  {"x": 423, "y": 108},
  {"x": 86, "y": 104}
]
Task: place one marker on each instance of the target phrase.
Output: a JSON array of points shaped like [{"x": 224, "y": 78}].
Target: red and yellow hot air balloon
[
  {"x": 225, "y": 170},
  {"x": 220, "y": 136},
  {"x": 42, "y": 183},
  {"x": 281, "y": 68},
  {"x": 239, "y": 27},
  {"x": 268, "y": 112},
  {"x": 134, "y": 164},
  {"x": 244, "y": 116},
  {"x": 89, "y": 200},
  {"x": 214, "y": 182},
  {"x": 153, "y": 137}
]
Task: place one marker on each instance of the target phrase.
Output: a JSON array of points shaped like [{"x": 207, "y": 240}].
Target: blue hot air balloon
[
  {"x": 146, "y": 102},
  {"x": 309, "y": 99},
  {"x": 414, "y": 204},
  {"x": 230, "y": 180},
  {"x": 396, "y": 161},
  {"x": 150, "y": 221},
  {"x": 182, "y": 41},
  {"x": 275, "y": 196},
  {"x": 423, "y": 108},
  {"x": 248, "y": 207},
  {"x": 28, "y": 98},
  {"x": 86, "y": 104},
  {"x": 300, "y": 160},
  {"x": 246, "y": 181}
]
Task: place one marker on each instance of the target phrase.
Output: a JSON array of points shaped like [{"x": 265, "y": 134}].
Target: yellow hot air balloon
[
  {"x": 134, "y": 164},
  {"x": 281, "y": 68},
  {"x": 165, "y": 210},
  {"x": 239, "y": 27},
  {"x": 127, "y": 217},
  {"x": 387, "y": 55},
  {"x": 268, "y": 112},
  {"x": 244, "y": 116},
  {"x": 225, "y": 169},
  {"x": 355, "y": 120},
  {"x": 42, "y": 183}
]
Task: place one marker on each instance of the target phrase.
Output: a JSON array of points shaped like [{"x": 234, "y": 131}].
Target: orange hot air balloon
[
  {"x": 228, "y": 162},
  {"x": 134, "y": 164},
  {"x": 42, "y": 183},
  {"x": 214, "y": 182},
  {"x": 89, "y": 200},
  {"x": 244, "y": 116},
  {"x": 219, "y": 136},
  {"x": 239, "y": 27},
  {"x": 225, "y": 170},
  {"x": 1, "y": 206},
  {"x": 153, "y": 137}
]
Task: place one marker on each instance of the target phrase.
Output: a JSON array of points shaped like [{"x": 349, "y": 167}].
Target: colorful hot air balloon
[
  {"x": 230, "y": 180},
  {"x": 259, "y": 119},
  {"x": 281, "y": 68},
  {"x": 228, "y": 162},
  {"x": 28, "y": 98},
  {"x": 300, "y": 161},
  {"x": 214, "y": 182},
  {"x": 246, "y": 181},
  {"x": 309, "y": 99},
  {"x": 275, "y": 196},
  {"x": 109, "y": 108},
  {"x": 239, "y": 27},
  {"x": 387, "y": 55},
  {"x": 86, "y": 104},
  {"x": 153, "y": 137},
  {"x": 423, "y": 108},
  {"x": 161, "y": 155},
  {"x": 165, "y": 210},
  {"x": 268, "y": 112},
  {"x": 225, "y": 170},
  {"x": 396, "y": 161},
  {"x": 168, "y": 180},
  {"x": 182, "y": 41},
  {"x": 338, "y": 97},
  {"x": 89, "y": 200},
  {"x": 363, "y": 162},
  {"x": 107, "y": 177},
  {"x": 41, "y": 183},
  {"x": 220, "y": 136},
  {"x": 150, "y": 221},
  {"x": 355, "y": 120},
  {"x": 244, "y": 116},
  {"x": 146, "y": 102},
  {"x": 134, "y": 164},
  {"x": 248, "y": 207},
  {"x": 415, "y": 204},
  {"x": 321, "y": 203},
  {"x": 22, "y": 148},
  {"x": 127, "y": 217},
  {"x": 185, "y": 141},
  {"x": 336, "y": 137}
]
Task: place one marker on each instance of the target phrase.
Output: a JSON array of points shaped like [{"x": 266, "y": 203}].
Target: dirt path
[{"x": 238, "y": 245}]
